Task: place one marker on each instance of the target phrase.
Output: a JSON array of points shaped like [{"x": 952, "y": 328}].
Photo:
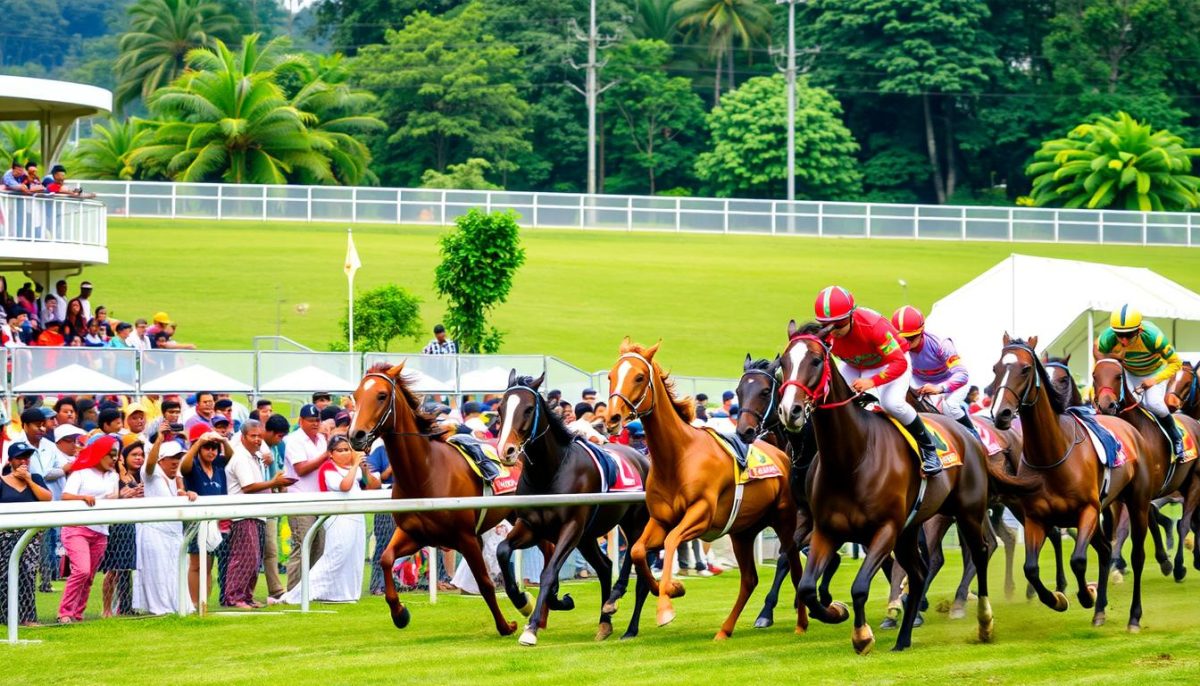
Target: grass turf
[
  {"x": 453, "y": 642},
  {"x": 713, "y": 298}
]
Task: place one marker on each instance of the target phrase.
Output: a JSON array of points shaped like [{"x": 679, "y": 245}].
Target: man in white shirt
[
  {"x": 244, "y": 475},
  {"x": 137, "y": 338},
  {"x": 304, "y": 453},
  {"x": 59, "y": 298},
  {"x": 85, "y": 292}
]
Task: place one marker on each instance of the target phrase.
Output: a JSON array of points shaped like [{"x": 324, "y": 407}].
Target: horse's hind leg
[
  {"x": 976, "y": 535},
  {"x": 471, "y": 548},
  {"x": 591, "y": 552},
  {"x": 1010, "y": 549},
  {"x": 1119, "y": 537},
  {"x": 895, "y": 606},
  {"x": 881, "y": 544},
  {"x": 743, "y": 552},
  {"x": 1160, "y": 551},
  {"x": 1191, "y": 498},
  {"x": 399, "y": 546},
  {"x": 568, "y": 538},
  {"x": 909, "y": 556},
  {"x": 518, "y": 538},
  {"x": 935, "y": 532},
  {"x": 821, "y": 553},
  {"x": 766, "y": 617}
]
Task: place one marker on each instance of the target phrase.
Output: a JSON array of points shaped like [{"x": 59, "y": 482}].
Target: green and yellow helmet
[{"x": 1125, "y": 320}]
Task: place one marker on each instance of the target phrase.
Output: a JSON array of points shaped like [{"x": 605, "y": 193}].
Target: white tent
[
  {"x": 421, "y": 382},
  {"x": 309, "y": 379},
  {"x": 193, "y": 378},
  {"x": 1065, "y": 303},
  {"x": 490, "y": 380},
  {"x": 74, "y": 378}
]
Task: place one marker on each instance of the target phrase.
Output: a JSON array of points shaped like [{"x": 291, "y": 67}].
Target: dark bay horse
[
  {"x": 865, "y": 487},
  {"x": 1115, "y": 398},
  {"x": 556, "y": 461},
  {"x": 757, "y": 393},
  {"x": 425, "y": 466},
  {"x": 692, "y": 490},
  {"x": 1058, "y": 449}
]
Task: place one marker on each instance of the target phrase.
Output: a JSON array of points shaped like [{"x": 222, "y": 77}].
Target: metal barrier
[
  {"x": 53, "y": 220},
  {"x": 648, "y": 213}
]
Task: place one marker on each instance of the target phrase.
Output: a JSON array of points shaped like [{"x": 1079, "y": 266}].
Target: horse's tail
[{"x": 1010, "y": 485}]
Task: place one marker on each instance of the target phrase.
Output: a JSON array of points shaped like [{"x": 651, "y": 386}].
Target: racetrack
[
  {"x": 712, "y": 298},
  {"x": 453, "y": 642}
]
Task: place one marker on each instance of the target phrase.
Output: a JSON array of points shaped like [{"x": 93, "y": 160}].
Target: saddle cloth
[
  {"x": 616, "y": 474},
  {"x": 473, "y": 450},
  {"x": 988, "y": 436},
  {"x": 759, "y": 464},
  {"x": 1189, "y": 441},
  {"x": 1109, "y": 448},
  {"x": 947, "y": 454}
]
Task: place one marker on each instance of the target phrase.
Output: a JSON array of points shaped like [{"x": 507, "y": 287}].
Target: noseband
[
  {"x": 537, "y": 415},
  {"x": 773, "y": 395},
  {"x": 1023, "y": 400},
  {"x": 648, "y": 393},
  {"x": 823, "y": 385},
  {"x": 391, "y": 405},
  {"x": 1120, "y": 396}
]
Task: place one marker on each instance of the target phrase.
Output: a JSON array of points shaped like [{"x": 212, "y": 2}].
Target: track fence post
[
  {"x": 306, "y": 562},
  {"x": 14, "y": 578}
]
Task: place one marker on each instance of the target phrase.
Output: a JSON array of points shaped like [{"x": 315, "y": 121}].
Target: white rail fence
[{"x": 648, "y": 213}]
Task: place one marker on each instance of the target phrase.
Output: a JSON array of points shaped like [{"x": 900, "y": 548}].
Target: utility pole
[
  {"x": 789, "y": 70},
  {"x": 593, "y": 90}
]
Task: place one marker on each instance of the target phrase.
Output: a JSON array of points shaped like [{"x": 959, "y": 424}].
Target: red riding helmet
[
  {"x": 833, "y": 303},
  {"x": 909, "y": 321}
]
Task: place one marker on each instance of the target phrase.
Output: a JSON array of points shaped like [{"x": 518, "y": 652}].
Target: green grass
[
  {"x": 453, "y": 642},
  {"x": 712, "y": 298}
]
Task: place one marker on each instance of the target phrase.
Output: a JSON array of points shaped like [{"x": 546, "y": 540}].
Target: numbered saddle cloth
[
  {"x": 616, "y": 473},
  {"x": 501, "y": 479},
  {"x": 1109, "y": 448},
  {"x": 945, "y": 450},
  {"x": 750, "y": 461}
]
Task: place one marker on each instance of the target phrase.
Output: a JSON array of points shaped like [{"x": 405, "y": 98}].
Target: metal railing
[
  {"x": 648, "y": 213},
  {"x": 52, "y": 219}
]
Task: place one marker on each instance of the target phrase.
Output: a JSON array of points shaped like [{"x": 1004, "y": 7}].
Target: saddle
[
  {"x": 947, "y": 454},
  {"x": 481, "y": 456},
  {"x": 1108, "y": 447},
  {"x": 1190, "y": 451},
  {"x": 751, "y": 461}
]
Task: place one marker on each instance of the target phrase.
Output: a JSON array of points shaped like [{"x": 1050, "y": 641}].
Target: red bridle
[{"x": 822, "y": 389}]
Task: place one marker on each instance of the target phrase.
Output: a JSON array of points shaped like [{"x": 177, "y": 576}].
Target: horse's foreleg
[
  {"x": 652, "y": 538},
  {"x": 399, "y": 546},
  {"x": 1035, "y": 538},
  {"x": 1138, "y": 523},
  {"x": 1160, "y": 550},
  {"x": 1010, "y": 550},
  {"x": 1088, "y": 519},
  {"x": 743, "y": 552},
  {"x": 695, "y": 521},
  {"x": 471, "y": 548},
  {"x": 1060, "y": 568},
  {"x": 568, "y": 539},
  {"x": 821, "y": 553},
  {"x": 908, "y": 555},
  {"x": 1191, "y": 498},
  {"x": 786, "y": 524},
  {"x": 976, "y": 535},
  {"x": 881, "y": 544},
  {"x": 766, "y": 617},
  {"x": 518, "y": 538}
]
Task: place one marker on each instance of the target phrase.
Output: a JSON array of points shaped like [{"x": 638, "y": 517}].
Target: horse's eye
[
  {"x": 815, "y": 362},
  {"x": 528, "y": 411},
  {"x": 765, "y": 392},
  {"x": 640, "y": 378},
  {"x": 381, "y": 397},
  {"x": 1025, "y": 370}
]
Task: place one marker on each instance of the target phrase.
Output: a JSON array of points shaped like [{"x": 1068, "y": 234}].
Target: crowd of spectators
[{"x": 22, "y": 178}]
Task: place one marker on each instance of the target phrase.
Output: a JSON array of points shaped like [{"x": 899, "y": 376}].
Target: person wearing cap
[
  {"x": 222, "y": 425},
  {"x": 135, "y": 421},
  {"x": 304, "y": 453},
  {"x": 588, "y": 396},
  {"x": 727, "y": 398},
  {"x": 93, "y": 476},
  {"x": 936, "y": 368},
  {"x": 118, "y": 340},
  {"x": 637, "y": 436},
  {"x": 49, "y": 464},
  {"x": 20, "y": 485},
  {"x": 160, "y": 321},
  {"x": 85, "y": 293},
  {"x": 237, "y": 412},
  {"x": 322, "y": 399},
  {"x": 159, "y": 544},
  {"x": 203, "y": 470}
]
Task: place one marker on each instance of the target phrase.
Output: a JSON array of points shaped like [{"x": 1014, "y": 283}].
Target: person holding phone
[{"x": 203, "y": 470}]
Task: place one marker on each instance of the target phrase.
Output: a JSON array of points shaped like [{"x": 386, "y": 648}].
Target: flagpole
[{"x": 350, "y": 292}]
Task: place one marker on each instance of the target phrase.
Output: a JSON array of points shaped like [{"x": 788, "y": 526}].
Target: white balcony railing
[{"x": 39, "y": 219}]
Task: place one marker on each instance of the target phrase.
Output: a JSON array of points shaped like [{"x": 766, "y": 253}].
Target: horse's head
[
  {"x": 757, "y": 392},
  {"x": 523, "y": 416},
  {"x": 1063, "y": 385},
  {"x": 1182, "y": 388},
  {"x": 631, "y": 384},
  {"x": 1108, "y": 385},
  {"x": 376, "y": 400},
  {"x": 807, "y": 369},
  {"x": 1016, "y": 380}
]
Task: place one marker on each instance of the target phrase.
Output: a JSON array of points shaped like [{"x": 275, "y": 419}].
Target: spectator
[
  {"x": 384, "y": 525},
  {"x": 64, "y": 411},
  {"x": 973, "y": 405},
  {"x": 106, "y": 324},
  {"x": 87, "y": 414},
  {"x": 135, "y": 421},
  {"x": 275, "y": 429},
  {"x": 222, "y": 425},
  {"x": 84, "y": 298},
  {"x": 637, "y": 436},
  {"x": 161, "y": 321},
  {"x": 566, "y": 411},
  {"x": 205, "y": 409},
  {"x": 237, "y": 413},
  {"x": 553, "y": 397},
  {"x": 245, "y": 475},
  {"x": 304, "y": 453},
  {"x": 120, "y": 557},
  {"x": 727, "y": 399},
  {"x": 57, "y": 183},
  {"x": 20, "y": 485},
  {"x": 74, "y": 322},
  {"x": 322, "y": 399},
  {"x": 702, "y": 406},
  {"x": 341, "y": 424},
  {"x": 203, "y": 469},
  {"x": 164, "y": 339},
  {"x": 440, "y": 345},
  {"x": 124, "y": 330},
  {"x": 52, "y": 334},
  {"x": 94, "y": 337},
  {"x": 583, "y": 411},
  {"x": 472, "y": 418},
  {"x": 264, "y": 409},
  {"x": 59, "y": 297},
  {"x": 156, "y": 589},
  {"x": 224, "y": 406},
  {"x": 337, "y": 576},
  {"x": 138, "y": 339},
  {"x": 93, "y": 477},
  {"x": 14, "y": 179},
  {"x": 32, "y": 181},
  {"x": 110, "y": 422},
  {"x": 14, "y": 328},
  {"x": 589, "y": 397}
]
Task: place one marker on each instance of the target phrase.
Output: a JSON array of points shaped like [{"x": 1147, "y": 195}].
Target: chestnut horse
[
  {"x": 1166, "y": 475},
  {"x": 1059, "y": 450},
  {"x": 424, "y": 466},
  {"x": 866, "y": 483},
  {"x": 554, "y": 460},
  {"x": 691, "y": 492}
]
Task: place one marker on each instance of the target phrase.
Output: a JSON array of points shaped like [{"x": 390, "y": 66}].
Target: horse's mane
[
  {"x": 811, "y": 329},
  {"x": 1057, "y": 403},
  {"x": 426, "y": 423},
  {"x": 684, "y": 407},
  {"x": 764, "y": 365},
  {"x": 554, "y": 421}
]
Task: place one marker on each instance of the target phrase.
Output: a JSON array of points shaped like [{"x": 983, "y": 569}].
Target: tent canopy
[{"x": 1065, "y": 303}]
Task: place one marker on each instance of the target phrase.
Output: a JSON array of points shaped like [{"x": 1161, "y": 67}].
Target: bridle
[
  {"x": 537, "y": 415},
  {"x": 390, "y": 413},
  {"x": 648, "y": 393},
  {"x": 1024, "y": 401},
  {"x": 1120, "y": 396},
  {"x": 821, "y": 390},
  {"x": 1190, "y": 393},
  {"x": 772, "y": 394}
]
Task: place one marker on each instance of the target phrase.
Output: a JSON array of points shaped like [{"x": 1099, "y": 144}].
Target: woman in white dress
[
  {"x": 159, "y": 544},
  {"x": 338, "y": 576}
]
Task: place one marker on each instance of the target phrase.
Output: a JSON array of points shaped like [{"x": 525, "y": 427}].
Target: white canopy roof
[
  {"x": 1058, "y": 301},
  {"x": 309, "y": 379},
  {"x": 193, "y": 378},
  {"x": 74, "y": 378}
]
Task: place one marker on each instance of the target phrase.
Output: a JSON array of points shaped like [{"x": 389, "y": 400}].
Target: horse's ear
[
  {"x": 773, "y": 368},
  {"x": 1066, "y": 358},
  {"x": 1007, "y": 338},
  {"x": 825, "y": 331},
  {"x": 1033, "y": 342},
  {"x": 512, "y": 378},
  {"x": 653, "y": 349},
  {"x": 1045, "y": 356},
  {"x": 537, "y": 383},
  {"x": 749, "y": 361},
  {"x": 626, "y": 343},
  {"x": 394, "y": 372},
  {"x": 792, "y": 328}
]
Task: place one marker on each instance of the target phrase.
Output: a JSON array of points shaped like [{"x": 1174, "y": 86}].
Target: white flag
[{"x": 352, "y": 261}]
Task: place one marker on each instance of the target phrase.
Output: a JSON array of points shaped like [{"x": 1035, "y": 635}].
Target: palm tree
[
  {"x": 20, "y": 143},
  {"x": 656, "y": 20},
  {"x": 108, "y": 154},
  {"x": 337, "y": 118},
  {"x": 227, "y": 118},
  {"x": 162, "y": 33},
  {"x": 721, "y": 23},
  {"x": 1120, "y": 163}
]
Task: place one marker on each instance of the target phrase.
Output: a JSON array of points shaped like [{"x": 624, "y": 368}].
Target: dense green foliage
[{"x": 381, "y": 315}]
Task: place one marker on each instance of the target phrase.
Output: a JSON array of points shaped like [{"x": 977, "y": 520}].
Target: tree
[
  {"x": 109, "y": 152},
  {"x": 650, "y": 111},
  {"x": 162, "y": 33},
  {"x": 353, "y": 24},
  {"x": 226, "y": 118},
  {"x": 21, "y": 143},
  {"x": 721, "y": 23},
  {"x": 337, "y": 118},
  {"x": 748, "y": 148},
  {"x": 450, "y": 91},
  {"x": 469, "y": 175},
  {"x": 479, "y": 259},
  {"x": 1121, "y": 163},
  {"x": 382, "y": 315}
]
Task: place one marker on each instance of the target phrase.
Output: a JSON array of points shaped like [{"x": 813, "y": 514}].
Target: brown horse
[
  {"x": 425, "y": 466},
  {"x": 692, "y": 490},
  {"x": 1183, "y": 396},
  {"x": 1076, "y": 488},
  {"x": 866, "y": 487},
  {"x": 1166, "y": 475}
]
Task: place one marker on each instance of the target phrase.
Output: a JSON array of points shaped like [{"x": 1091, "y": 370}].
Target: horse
[
  {"x": 867, "y": 487},
  {"x": 757, "y": 392},
  {"x": 1166, "y": 475},
  {"x": 425, "y": 466},
  {"x": 1075, "y": 489},
  {"x": 1183, "y": 392},
  {"x": 556, "y": 461},
  {"x": 692, "y": 491}
]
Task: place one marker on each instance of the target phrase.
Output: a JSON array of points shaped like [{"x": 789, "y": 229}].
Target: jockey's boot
[
  {"x": 930, "y": 462},
  {"x": 965, "y": 420},
  {"x": 1168, "y": 424}
]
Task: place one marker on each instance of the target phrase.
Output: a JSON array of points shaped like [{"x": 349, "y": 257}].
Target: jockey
[
  {"x": 936, "y": 369},
  {"x": 1150, "y": 361},
  {"x": 871, "y": 356}
]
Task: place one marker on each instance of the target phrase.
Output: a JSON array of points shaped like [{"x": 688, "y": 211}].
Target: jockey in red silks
[
  {"x": 871, "y": 357},
  {"x": 936, "y": 368}
]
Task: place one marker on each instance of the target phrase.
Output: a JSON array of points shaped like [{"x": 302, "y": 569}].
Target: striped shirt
[{"x": 1148, "y": 354}]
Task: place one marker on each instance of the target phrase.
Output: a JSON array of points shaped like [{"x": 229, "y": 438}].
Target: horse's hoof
[
  {"x": 677, "y": 590},
  {"x": 1166, "y": 567},
  {"x": 763, "y": 622},
  {"x": 987, "y": 631},
  {"x": 944, "y": 606},
  {"x": 801, "y": 630},
  {"x": 527, "y": 608},
  {"x": 1134, "y": 628},
  {"x": 528, "y": 638},
  {"x": 1099, "y": 618},
  {"x": 863, "y": 640},
  {"x": 609, "y": 608},
  {"x": 1180, "y": 572},
  {"x": 628, "y": 635},
  {"x": 721, "y": 636},
  {"x": 604, "y": 631},
  {"x": 958, "y": 612},
  {"x": 919, "y": 620},
  {"x": 888, "y": 624},
  {"x": 508, "y": 629},
  {"x": 1087, "y": 596},
  {"x": 839, "y": 611},
  {"x": 1060, "y": 602},
  {"x": 401, "y": 618},
  {"x": 665, "y": 617},
  {"x": 568, "y": 603},
  {"x": 1116, "y": 578}
]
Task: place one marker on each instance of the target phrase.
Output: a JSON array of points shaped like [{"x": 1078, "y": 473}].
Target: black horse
[
  {"x": 757, "y": 394},
  {"x": 557, "y": 461}
]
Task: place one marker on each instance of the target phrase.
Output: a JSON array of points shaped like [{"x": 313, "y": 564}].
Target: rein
[
  {"x": 773, "y": 394},
  {"x": 535, "y": 435},
  {"x": 649, "y": 392},
  {"x": 1024, "y": 402},
  {"x": 823, "y": 385},
  {"x": 390, "y": 413}
]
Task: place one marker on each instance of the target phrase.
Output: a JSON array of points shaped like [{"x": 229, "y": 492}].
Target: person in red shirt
[{"x": 872, "y": 357}]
